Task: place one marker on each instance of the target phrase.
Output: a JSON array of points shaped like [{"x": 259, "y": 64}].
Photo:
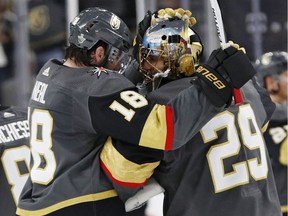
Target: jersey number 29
[{"x": 250, "y": 137}]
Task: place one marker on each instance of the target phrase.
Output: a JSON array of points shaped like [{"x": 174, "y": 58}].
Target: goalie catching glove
[{"x": 225, "y": 69}]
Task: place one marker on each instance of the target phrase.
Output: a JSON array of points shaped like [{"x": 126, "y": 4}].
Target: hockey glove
[
  {"x": 169, "y": 13},
  {"x": 225, "y": 69}
]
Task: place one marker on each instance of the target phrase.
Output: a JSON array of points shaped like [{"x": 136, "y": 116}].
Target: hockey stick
[{"x": 221, "y": 34}]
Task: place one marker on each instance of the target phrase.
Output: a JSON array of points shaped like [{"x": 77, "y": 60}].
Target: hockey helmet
[
  {"x": 271, "y": 64},
  {"x": 96, "y": 24}
]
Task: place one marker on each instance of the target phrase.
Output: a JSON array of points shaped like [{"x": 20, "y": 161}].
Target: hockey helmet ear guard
[{"x": 174, "y": 42}]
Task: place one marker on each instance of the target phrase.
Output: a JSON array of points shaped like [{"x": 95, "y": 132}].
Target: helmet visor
[{"x": 117, "y": 60}]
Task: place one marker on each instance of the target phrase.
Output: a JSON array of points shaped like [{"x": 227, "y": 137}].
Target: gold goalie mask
[{"x": 174, "y": 42}]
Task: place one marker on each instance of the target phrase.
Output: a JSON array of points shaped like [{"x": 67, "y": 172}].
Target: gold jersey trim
[
  {"x": 284, "y": 208},
  {"x": 122, "y": 169},
  {"x": 284, "y": 152},
  {"x": 264, "y": 128},
  {"x": 156, "y": 117},
  {"x": 66, "y": 203}
]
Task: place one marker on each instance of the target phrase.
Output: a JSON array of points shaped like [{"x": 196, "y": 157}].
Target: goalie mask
[{"x": 173, "y": 43}]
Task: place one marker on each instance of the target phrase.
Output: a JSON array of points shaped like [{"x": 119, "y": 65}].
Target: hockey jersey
[
  {"x": 15, "y": 156},
  {"x": 71, "y": 113},
  {"x": 223, "y": 170},
  {"x": 277, "y": 143}
]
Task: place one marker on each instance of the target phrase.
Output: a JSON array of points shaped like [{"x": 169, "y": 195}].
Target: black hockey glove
[{"x": 225, "y": 69}]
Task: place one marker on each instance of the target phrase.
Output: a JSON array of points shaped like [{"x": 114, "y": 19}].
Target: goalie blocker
[{"x": 225, "y": 69}]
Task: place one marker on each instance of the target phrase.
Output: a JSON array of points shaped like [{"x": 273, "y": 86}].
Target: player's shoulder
[
  {"x": 258, "y": 97},
  {"x": 94, "y": 81},
  {"x": 170, "y": 90},
  {"x": 12, "y": 113},
  {"x": 174, "y": 86},
  {"x": 106, "y": 82}
]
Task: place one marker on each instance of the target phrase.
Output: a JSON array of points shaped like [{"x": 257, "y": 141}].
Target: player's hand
[
  {"x": 225, "y": 69},
  {"x": 232, "y": 64},
  {"x": 235, "y": 45}
]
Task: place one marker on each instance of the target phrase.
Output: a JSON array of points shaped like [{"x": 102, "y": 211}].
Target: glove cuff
[{"x": 214, "y": 86}]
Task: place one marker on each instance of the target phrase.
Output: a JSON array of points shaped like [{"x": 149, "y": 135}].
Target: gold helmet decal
[{"x": 115, "y": 22}]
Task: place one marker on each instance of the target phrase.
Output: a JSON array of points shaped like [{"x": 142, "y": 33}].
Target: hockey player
[
  {"x": 78, "y": 102},
  {"x": 15, "y": 156},
  {"x": 224, "y": 169},
  {"x": 272, "y": 74}
]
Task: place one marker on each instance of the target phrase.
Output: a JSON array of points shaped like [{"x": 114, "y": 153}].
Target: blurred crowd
[{"x": 46, "y": 39}]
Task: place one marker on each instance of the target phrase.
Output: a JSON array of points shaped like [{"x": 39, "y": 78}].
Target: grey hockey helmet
[
  {"x": 96, "y": 24},
  {"x": 271, "y": 64}
]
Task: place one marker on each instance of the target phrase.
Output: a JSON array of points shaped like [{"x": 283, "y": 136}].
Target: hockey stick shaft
[
  {"x": 222, "y": 38},
  {"x": 218, "y": 21}
]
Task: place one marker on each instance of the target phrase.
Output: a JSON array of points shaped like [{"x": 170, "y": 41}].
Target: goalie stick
[{"x": 222, "y": 38}]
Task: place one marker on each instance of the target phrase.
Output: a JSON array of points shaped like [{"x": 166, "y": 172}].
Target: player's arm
[
  {"x": 128, "y": 116},
  {"x": 129, "y": 169}
]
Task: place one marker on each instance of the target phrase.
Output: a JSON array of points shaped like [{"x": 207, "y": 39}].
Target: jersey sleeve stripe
[
  {"x": 161, "y": 139},
  {"x": 283, "y": 152},
  {"x": 121, "y": 183},
  {"x": 113, "y": 163},
  {"x": 284, "y": 208},
  {"x": 170, "y": 128}
]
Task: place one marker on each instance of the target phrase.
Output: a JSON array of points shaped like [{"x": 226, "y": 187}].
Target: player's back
[
  {"x": 64, "y": 144},
  {"x": 15, "y": 156},
  {"x": 224, "y": 169}
]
